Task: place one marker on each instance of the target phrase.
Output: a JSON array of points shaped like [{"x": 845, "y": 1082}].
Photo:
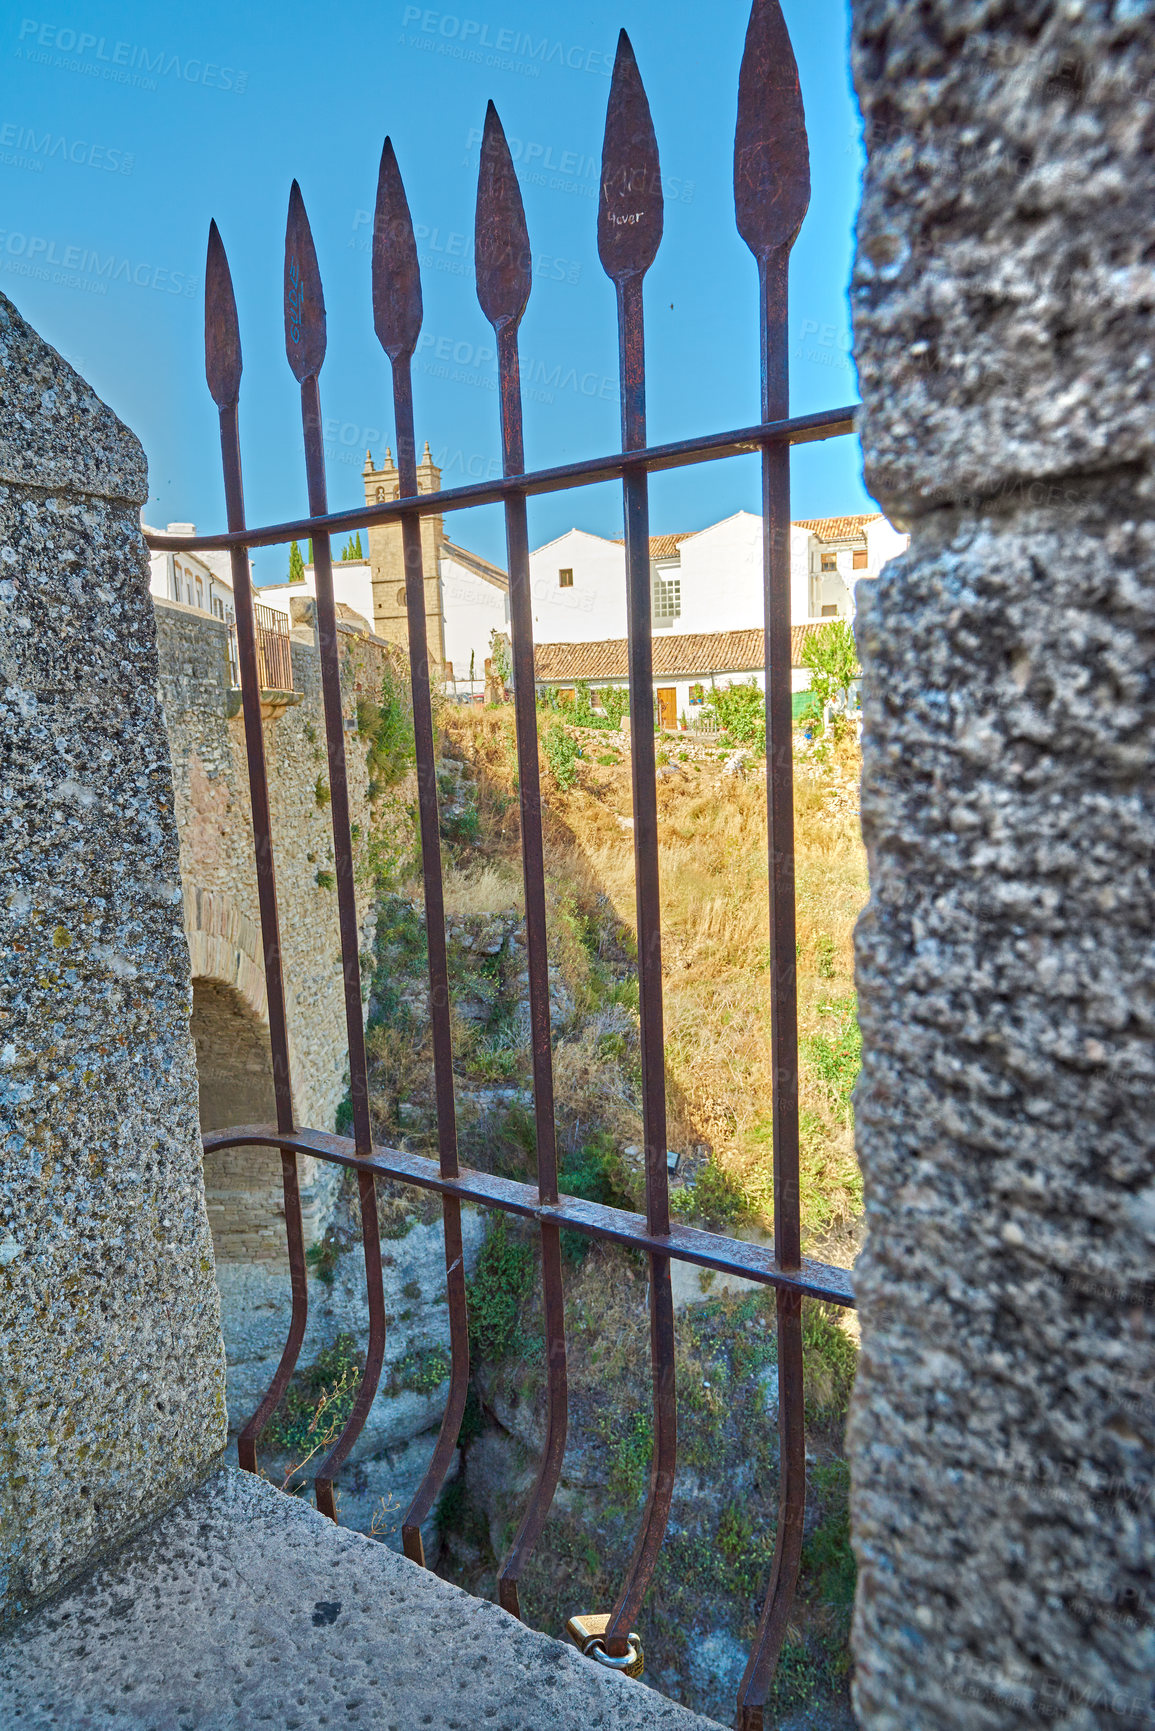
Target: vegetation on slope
[{"x": 715, "y": 961}]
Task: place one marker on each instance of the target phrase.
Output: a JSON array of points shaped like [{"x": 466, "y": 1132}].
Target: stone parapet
[
  {"x": 246, "y": 1607},
  {"x": 111, "y": 1367},
  {"x": 1003, "y": 1427}
]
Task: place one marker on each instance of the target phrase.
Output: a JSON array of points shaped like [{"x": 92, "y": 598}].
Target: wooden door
[{"x": 668, "y": 706}]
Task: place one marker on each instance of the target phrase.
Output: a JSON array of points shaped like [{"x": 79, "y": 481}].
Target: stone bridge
[{"x": 218, "y": 877}]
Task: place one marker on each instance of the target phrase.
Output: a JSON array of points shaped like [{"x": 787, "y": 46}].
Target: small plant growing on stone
[
  {"x": 326, "y": 880},
  {"x": 322, "y": 793}
]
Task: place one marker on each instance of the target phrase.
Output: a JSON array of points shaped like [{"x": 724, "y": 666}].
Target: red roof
[
  {"x": 838, "y": 528},
  {"x": 695, "y": 654}
]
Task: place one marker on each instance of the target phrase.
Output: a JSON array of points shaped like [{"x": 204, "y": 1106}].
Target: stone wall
[
  {"x": 1003, "y": 1435},
  {"x": 111, "y": 1368},
  {"x": 230, "y": 1013}
]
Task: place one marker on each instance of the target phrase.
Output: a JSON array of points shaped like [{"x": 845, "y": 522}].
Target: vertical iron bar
[
  {"x": 533, "y": 873},
  {"x": 773, "y": 270},
  {"x": 420, "y": 679},
  {"x": 635, "y": 490},
  {"x": 270, "y": 933},
  {"x": 350, "y": 944}
]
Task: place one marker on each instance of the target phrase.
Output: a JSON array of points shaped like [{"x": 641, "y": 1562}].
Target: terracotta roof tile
[
  {"x": 695, "y": 654},
  {"x": 661, "y": 546},
  {"x": 837, "y": 528}
]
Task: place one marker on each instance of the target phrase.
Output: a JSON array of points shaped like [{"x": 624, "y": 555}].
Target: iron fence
[
  {"x": 274, "y": 650},
  {"x": 771, "y": 187}
]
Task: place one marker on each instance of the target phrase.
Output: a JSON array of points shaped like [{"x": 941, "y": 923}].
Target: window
[
  {"x": 200, "y": 593},
  {"x": 667, "y": 598},
  {"x": 401, "y": 596},
  {"x": 830, "y": 610},
  {"x": 830, "y": 562},
  {"x": 697, "y": 694},
  {"x": 859, "y": 560},
  {"x": 565, "y": 579}
]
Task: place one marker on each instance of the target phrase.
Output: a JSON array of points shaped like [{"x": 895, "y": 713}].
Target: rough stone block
[
  {"x": 1003, "y": 293},
  {"x": 1003, "y": 1429},
  {"x": 111, "y": 1368}
]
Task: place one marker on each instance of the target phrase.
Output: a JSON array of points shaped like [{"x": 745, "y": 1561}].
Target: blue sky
[{"x": 123, "y": 129}]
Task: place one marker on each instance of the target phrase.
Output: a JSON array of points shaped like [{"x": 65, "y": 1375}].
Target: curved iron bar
[
  {"x": 223, "y": 372},
  {"x": 771, "y": 195},
  {"x": 397, "y": 312},
  {"x": 305, "y": 348},
  {"x": 630, "y": 216},
  {"x": 504, "y": 278}
]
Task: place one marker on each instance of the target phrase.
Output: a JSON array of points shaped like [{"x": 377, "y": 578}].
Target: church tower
[{"x": 387, "y": 562}]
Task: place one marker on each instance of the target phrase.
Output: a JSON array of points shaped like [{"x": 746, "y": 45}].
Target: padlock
[{"x": 587, "y": 1632}]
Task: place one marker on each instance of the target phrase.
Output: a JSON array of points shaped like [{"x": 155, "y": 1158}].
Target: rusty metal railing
[
  {"x": 273, "y": 649},
  {"x": 771, "y": 188}
]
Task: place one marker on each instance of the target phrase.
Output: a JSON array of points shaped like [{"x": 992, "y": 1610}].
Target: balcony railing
[{"x": 273, "y": 650}]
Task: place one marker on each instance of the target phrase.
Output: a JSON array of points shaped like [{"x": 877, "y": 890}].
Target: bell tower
[{"x": 387, "y": 562}]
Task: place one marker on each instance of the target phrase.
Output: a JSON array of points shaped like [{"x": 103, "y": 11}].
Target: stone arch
[{"x": 230, "y": 1029}]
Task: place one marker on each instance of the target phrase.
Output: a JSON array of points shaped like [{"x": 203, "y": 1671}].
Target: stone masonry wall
[
  {"x": 111, "y": 1364},
  {"x": 1003, "y": 1432},
  {"x": 230, "y": 1014}
]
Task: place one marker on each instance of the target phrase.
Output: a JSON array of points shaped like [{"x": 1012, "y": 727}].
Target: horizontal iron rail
[
  {"x": 684, "y": 1243},
  {"x": 796, "y": 430}
]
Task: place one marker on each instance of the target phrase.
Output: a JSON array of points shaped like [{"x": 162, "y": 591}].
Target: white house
[
  {"x": 352, "y": 587},
  {"x": 705, "y": 582},
  {"x": 706, "y": 603},
  {"x": 474, "y": 604},
  {"x": 194, "y": 579}
]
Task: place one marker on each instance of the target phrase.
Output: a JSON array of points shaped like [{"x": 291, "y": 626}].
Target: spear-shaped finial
[
  {"x": 630, "y": 211},
  {"x": 222, "y": 332},
  {"x": 397, "y": 309},
  {"x": 771, "y": 156},
  {"x": 304, "y": 299},
  {"x": 504, "y": 270}
]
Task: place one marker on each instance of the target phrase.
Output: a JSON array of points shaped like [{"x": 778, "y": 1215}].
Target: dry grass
[
  {"x": 491, "y": 888},
  {"x": 712, "y": 834}
]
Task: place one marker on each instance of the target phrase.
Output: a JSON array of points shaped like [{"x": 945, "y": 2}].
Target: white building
[
  {"x": 706, "y": 582},
  {"x": 472, "y": 596},
  {"x": 194, "y": 579},
  {"x": 352, "y": 588}
]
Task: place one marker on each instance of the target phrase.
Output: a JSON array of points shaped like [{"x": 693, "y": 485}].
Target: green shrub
[
  {"x": 502, "y": 1279},
  {"x": 322, "y": 1259},
  {"x": 423, "y": 1370},
  {"x": 562, "y": 752},
  {"x": 715, "y": 1199},
  {"x": 615, "y": 700},
  {"x": 741, "y": 712},
  {"x": 321, "y": 793},
  {"x": 386, "y": 725},
  {"x": 827, "y": 1559},
  {"x": 317, "y": 1402},
  {"x": 325, "y": 880},
  {"x": 834, "y": 1054}
]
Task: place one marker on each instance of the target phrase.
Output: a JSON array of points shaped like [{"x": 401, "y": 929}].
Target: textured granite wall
[
  {"x": 111, "y": 1366},
  {"x": 222, "y": 917},
  {"x": 1003, "y": 1431}
]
